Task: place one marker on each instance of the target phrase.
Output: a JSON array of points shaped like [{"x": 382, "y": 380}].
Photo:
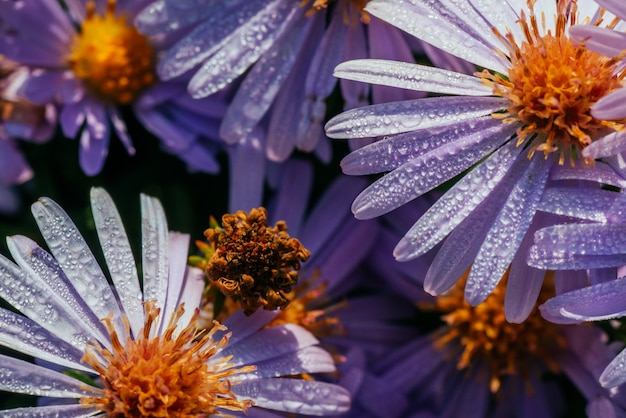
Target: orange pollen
[
  {"x": 165, "y": 376},
  {"x": 114, "y": 60},
  {"x": 481, "y": 335},
  {"x": 353, "y": 10},
  {"x": 552, "y": 84}
]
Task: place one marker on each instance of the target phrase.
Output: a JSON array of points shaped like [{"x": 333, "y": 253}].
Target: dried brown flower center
[
  {"x": 114, "y": 60},
  {"x": 552, "y": 84},
  {"x": 255, "y": 264},
  {"x": 482, "y": 334},
  {"x": 164, "y": 376}
]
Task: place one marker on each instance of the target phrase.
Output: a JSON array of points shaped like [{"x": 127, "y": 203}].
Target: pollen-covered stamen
[
  {"x": 115, "y": 61},
  {"x": 253, "y": 263},
  {"x": 552, "y": 84},
  {"x": 353, "y": 10},
  {"x": 481, "y": 335},
  {"x": 165, "y": 376}
]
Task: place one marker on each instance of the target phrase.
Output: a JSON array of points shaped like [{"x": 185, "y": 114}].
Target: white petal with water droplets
[
  {"x": 454, "y": 206},
  {"x": 507, "y": 232},
  {"x": 26, "y": 336},
  {"x": 425, "y": 172},
  {"x": 163, "y": 16},
  {"x": 51, "y": 411},
  {"x": 119, "y": 256},
  {"x": 261, "y": 85},
  {"x": 411, "y": 76},
  {"x": 579, "y": 246},
  {"x": 465, "y": 35},
  {"x": 295, "y": 395},
  {"x": 393, "y": 151},
  {"x": 284, "y": 339},
  {"x": 208, "y": 37},
  {"x": 33, "y": 297},
  {"x": 311, "y": 359},
  {"x": 154, "y": 252},
  {"x": 410, "y": 115},
  {"x": 245, "y": 47},
  {"x": 19, "y": 376},
  {"x": 77, "y": 261},
  {"x": 582, "y": 203}
]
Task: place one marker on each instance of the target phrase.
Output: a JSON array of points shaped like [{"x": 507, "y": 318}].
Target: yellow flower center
[
  {"x": 253, "y": 263},
  {"x": 481, "y": 334},
  {"x": 114, "y": 60},
  {"x": 353, "y": 10},
  {"x": 552, "y": 84},
  {"x": 164, "y": 376}
]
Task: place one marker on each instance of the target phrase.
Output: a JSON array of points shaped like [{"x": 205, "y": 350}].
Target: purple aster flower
[
  {"x": 288, "y": 49},
  {"x": 475, "y": 363},
  {"x": 498, "y": 132},
  {"x": 91, "y": 61},
  {"x": 136, "y": 351}
]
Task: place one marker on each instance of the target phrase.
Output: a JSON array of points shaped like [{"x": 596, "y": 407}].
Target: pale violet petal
[
  {"x": 394, "y": 151},
  {"x": 409, "y": 115},
  {"x": 611, "y": 144},
  {"x": 38, "y": 264},
  {"x": 579, "y": 246},
  {"x": 163, "y": 16},
  {"x": 284, "y": 339},
  {"x": 425, "y": 172},
  {"x": 204, "y": 40},
  {"x": 26, "y": 336},
  {"x": 154, "y": 252},
  {"x": 178, "y": 249},
  {"x": 450, "y": 210},
  {"x": 611, "y": 107},
  {"x": 191, "y": 294},
  {"x": 119, "y": 256},
  {"x": 411, "y": 76},
  {"x": 615, "y": 6},
  {"x": 507, "y": 232},
  {"x": 602, "y": 173},
  {"x": 243, "y": 49},
  {"x": 601, "y": 40},
  {"x": 502, "y": 17},
  {"x": 295, "y": 395},
  {"x": 52, "y": 411},
  {"x": 261, "y": 85},
  {"x": 459, "y": 249},
  {"x": 592, "y": 303},
  {"x": 311, "y": 359},
  {"x": 77, "y": 261},
  {"x": 19, "y": 376},
  {"x": 615, "y": 373},
  {"x": 27, "y": 294},
  {"x": 242, "y": 326},
  {"x": 443, "y": 29},
  {"x": 582, "y": 203}
]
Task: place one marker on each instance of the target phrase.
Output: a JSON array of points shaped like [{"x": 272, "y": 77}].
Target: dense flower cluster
[{"x": 399, "y": 207}]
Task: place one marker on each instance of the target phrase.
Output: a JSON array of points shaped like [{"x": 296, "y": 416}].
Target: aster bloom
[
  {"x": 475, "y": 363},
  {"x": 527, "y": 112},
  {"x": 87, "y": 58},
  {"x": 288, "y": 49},
  {"x": 136, "y": 351}
]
